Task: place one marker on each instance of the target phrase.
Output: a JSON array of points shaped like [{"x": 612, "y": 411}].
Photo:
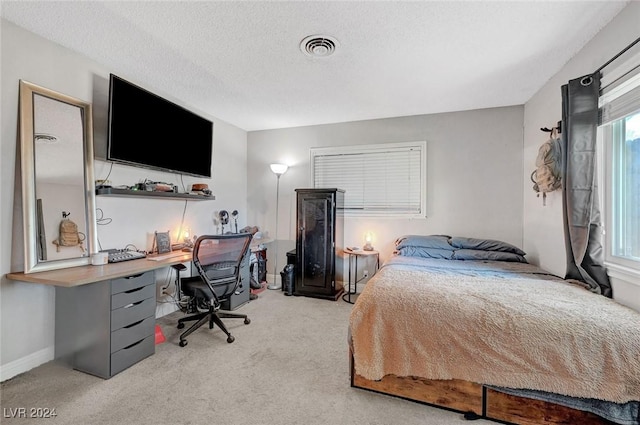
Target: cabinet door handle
[
  {"x": 131, "y": 291},
  {"x": 134, "y": 324},
  {"x": 134, "y": 276},
  {"x": 132, "y": 345},
  {"x": 133, "y": 304}
]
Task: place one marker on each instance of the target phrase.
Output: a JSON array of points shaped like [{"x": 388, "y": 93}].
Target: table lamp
[{"x": 367, "y": 239}]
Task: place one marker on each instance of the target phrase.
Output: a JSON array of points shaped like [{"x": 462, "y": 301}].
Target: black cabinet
[{"x": 319, "y": 237}]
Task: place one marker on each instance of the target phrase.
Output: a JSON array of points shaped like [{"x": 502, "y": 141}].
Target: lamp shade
[
  {"x": 279, "y": 169},
  {"x": 368, "y": 237}
]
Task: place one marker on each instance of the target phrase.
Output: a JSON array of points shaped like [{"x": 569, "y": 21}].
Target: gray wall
[
  {"x": 543, "y": 225},
  {"x": 474, "y": 175},
  {"x": 27, "y": 310}
]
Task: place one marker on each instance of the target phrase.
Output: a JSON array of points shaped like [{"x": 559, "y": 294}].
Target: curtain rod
[{"x": 636, "y": 41}]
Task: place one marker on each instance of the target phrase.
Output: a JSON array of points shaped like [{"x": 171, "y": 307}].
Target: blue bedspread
[{"x": 623, "y": 414}]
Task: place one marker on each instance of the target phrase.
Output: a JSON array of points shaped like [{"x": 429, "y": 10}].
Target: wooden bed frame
[{"x": 475, "y": 400}]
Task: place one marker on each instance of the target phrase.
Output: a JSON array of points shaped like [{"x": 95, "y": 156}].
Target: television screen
[{"x": 148, "y": 131}]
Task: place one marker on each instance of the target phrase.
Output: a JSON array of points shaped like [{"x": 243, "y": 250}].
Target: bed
[{"x": 467, "y": 324}]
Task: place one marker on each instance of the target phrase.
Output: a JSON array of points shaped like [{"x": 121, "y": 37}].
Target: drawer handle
[
  {"x": 134, "y": 276},
  {"x": 133, "y": 345},
  {"x": 133, "y": 324},
  {"x": 131, "y": 291},
  {"x": 133, "y": 304}
]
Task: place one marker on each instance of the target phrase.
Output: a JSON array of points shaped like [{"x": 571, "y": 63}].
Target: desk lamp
[{"x": 278, "y": 170}]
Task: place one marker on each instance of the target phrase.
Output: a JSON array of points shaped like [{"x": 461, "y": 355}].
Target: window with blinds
[{"x": 379, "y": 180}]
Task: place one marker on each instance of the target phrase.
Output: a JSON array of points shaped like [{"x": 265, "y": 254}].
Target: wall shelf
[{"x": 110, "y": 191}]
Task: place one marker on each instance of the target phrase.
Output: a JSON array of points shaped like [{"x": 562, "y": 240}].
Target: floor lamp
[{"x": 278, "y": 170}]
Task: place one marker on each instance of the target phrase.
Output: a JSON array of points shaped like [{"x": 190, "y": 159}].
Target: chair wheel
[
  {"x": 183, "y": 342},
  {"x": 180, "y": 325},
  {"x": 247, "y": 321},
  {"x": 230, "y": 339}
]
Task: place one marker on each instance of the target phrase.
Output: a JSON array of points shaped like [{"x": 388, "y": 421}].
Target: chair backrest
[{"x": 218, "y": 259}]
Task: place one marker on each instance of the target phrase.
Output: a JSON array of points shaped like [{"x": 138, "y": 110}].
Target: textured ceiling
[{"x": 240, "y": 61}]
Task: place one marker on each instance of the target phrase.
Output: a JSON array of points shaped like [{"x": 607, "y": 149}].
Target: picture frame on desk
[{"x": 162, "y": 242}]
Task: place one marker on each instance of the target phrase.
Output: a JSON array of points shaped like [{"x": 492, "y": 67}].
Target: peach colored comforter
[{"x": 496, "y": 323}]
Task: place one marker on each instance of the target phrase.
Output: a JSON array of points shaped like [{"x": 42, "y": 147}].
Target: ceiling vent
[{"x": 318, "y": 46}]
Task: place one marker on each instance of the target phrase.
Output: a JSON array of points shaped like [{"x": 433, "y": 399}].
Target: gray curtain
[{"x": 582, "y": 221}]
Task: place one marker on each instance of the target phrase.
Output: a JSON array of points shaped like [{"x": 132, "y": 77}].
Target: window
[
  {"x": 620, "y": 137},
  {"x": 626, "y": 187},
  {"x": 379, "y": 180}
]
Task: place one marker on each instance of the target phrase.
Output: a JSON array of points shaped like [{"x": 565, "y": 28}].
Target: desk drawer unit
[
  {"x": 133, "y": 308},
  {"x": 107, "y": 326}
]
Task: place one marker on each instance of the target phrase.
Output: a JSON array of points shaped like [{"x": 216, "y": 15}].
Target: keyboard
[
  {"x": 171, "y": 254},
  {"x": 116, "y": 256}
]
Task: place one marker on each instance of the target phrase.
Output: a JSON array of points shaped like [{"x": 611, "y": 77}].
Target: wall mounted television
[{"x": 146, "y": 130}]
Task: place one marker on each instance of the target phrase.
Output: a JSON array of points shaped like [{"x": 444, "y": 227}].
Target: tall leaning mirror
[{"x": 58, "y": 189}]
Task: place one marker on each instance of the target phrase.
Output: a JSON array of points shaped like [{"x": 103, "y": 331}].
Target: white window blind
[
  {"x": 387, "y": 179},
  {"x": 621, "y": 100}
]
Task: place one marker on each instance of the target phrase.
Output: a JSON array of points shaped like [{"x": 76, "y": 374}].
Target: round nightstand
[{"x": 353, "y": 272}]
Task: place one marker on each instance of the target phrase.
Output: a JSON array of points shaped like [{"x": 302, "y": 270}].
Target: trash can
[
  {"x": 287, "y": 275},
  {"x": 291, "y": 259}
]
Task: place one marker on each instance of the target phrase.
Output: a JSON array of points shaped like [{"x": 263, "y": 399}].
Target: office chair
[{"x": 217, "y": 259}]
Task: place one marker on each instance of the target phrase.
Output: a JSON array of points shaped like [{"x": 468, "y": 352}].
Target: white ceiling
[{"x": 240, "y": 61}]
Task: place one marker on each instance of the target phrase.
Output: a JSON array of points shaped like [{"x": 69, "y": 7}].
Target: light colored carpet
[{"x": 289, "y": 366}]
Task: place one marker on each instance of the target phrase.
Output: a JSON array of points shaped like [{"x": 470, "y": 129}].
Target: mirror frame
[{"x": 27, "y": 162}]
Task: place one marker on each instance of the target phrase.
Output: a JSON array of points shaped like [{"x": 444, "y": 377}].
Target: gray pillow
[
  {"x": 485, "y": 244},
  {"x": 424, "y": 241},
  {"x": 477, "y": 254},
  {"x": 419, "y": 251}
]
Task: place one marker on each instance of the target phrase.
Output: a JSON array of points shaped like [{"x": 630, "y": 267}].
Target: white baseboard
[
  {"x": 270, "y": 279},
  {"x": 26, "y": 363}
]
